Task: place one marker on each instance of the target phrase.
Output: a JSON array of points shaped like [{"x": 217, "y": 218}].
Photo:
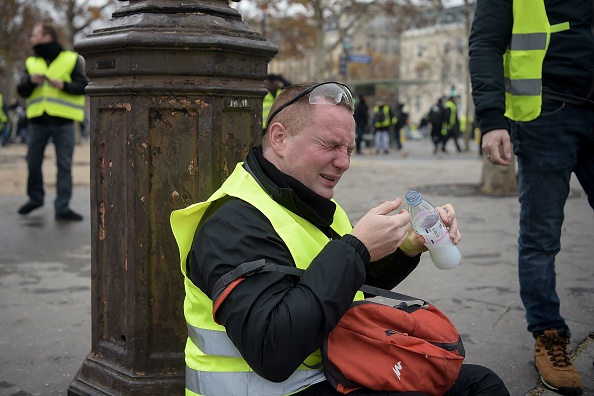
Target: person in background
[
  {"x": 5, "y": 129},
  {"x": 451, "y": 124},
  {"x": 274, "y": 83},
  {"x": 542, "y": 94},
  {"x": 382, "y": 121},
  {"x": 435, "y": 116},
  {"x": 54, "y": 84},
  {"x": 361, "y": 121},
  {"x": 400, "y": 121},
  {"x": 423, "y": 127},
  {"x": 19, "y": 120},
  {"x": 276, "y": 206}
]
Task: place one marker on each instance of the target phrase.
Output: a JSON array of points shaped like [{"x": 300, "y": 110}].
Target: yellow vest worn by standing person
[
  {"x": 213, "y": 364},
  {"x": 531, "y": 33},
  {"x": 451, "y": 122},
  {"x": 53, "y": 101},
  {"x": 3, "y": 117},
  {"x": 267, "y": 104},
  {"x": 387, "y": 120}
]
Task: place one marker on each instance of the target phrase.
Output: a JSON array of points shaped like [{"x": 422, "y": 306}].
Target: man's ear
[{"x": 278, "y": 135}]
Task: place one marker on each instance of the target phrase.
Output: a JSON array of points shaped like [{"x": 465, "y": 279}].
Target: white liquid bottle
[{"x": 426, "y": 222}]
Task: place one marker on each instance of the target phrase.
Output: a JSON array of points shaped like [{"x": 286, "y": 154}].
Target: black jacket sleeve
[
  {"x": 79, "y": 80},
  {"x": 489, "y": 36},
  {"x": 25, "y": 87},
  {"x": 275, "y": 320}
]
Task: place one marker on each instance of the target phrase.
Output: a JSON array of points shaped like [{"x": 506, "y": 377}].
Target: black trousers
[
  {"x": 452, "y": 134},
  {"x": 436, "y": 135},
  {"x": 473, "y": 380}
]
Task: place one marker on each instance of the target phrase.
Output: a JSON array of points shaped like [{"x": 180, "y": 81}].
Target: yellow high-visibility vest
[
  {"x": 266, "y": 105},
  {"x": 387, "y": 120},
  {"x": 213, "y": 365},
  {"x": 53, "y": 101},
  {"x": 531, "y": 33},
  {"x": 463, "y": 123},
  {"x": 3, "y": 117},
  {"x": 453, "y": 113}
]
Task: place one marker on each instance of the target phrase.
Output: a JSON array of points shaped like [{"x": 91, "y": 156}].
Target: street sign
[{"x": 359, "y": 58}]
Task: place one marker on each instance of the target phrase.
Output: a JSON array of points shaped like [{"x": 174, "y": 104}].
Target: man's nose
[{"x": 343, "y": 160}]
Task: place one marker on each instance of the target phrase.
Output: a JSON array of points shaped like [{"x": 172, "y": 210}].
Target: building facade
[
  {"x": 412, "y": 61},
  {"x": 437, "y": 57}
]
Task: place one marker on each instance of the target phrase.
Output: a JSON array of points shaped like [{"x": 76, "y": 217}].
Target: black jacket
[
  {"x": 568, "y": 66},
  {"x": 361, "y": 113},
  {"x": 277, "y": 320}
]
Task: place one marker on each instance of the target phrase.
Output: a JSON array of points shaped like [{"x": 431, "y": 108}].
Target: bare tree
[
  {"x": 326, "y": 27},
  {"x": 78, "y": 16},
  {"x": 16, "y": 23}
]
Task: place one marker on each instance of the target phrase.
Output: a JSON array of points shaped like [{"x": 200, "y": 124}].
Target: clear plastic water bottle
[{"x": 426, "y": 222}]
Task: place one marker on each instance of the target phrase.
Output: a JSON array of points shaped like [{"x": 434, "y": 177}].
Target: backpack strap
[{"x": 253, "y": 267}]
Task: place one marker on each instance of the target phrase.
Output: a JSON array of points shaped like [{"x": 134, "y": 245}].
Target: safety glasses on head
[{"x": 329, "y": 92}]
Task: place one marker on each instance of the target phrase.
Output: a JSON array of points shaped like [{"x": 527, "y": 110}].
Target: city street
[{"x": 45, "y": 268}]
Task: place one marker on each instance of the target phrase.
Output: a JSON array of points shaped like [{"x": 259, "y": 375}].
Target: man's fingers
[
  {"x": 507, "y": 150},
  {"x": 388, "y": 207}
]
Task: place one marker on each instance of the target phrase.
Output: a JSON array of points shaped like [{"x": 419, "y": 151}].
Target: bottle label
[{"x": 435, "y": 233}]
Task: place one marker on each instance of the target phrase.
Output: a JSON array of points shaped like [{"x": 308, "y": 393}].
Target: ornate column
[{"x": 176, "y": 101}]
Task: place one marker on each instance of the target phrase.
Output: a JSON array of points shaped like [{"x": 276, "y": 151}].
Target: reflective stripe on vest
[
  {"x": 211, "y": 357},
  {"x": 243, "y": 383},
  {"x": 53, "y": 101},
  {"x": 524, "y": 57},
  {"x": 212, "y": 342}
]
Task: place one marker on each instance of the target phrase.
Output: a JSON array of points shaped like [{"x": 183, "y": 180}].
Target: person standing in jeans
[
  {"x": 54, "y": 84},
  {"x": 543, "y": 93},
  {"x": 4, "y": 122}
]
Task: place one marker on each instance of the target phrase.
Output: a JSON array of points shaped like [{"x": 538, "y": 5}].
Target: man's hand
[
  {"x": 497, "y": 147},
  {"x": 381, "y": 231},
  {"x": 57, "y": 83},
  {"x": 37, "y": 78}
]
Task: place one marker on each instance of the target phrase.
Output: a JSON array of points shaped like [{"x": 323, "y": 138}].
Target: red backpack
[{"x": 401, "y": 348}]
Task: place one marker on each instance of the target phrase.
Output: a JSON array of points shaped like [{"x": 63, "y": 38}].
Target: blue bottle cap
[{"x": 413, "y": 198}]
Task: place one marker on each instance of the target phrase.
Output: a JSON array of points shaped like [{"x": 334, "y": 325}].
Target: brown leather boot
[{"x": 552, "y": 361}]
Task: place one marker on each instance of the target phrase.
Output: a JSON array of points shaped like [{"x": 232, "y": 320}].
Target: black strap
[{"x": 253, "y": 267}]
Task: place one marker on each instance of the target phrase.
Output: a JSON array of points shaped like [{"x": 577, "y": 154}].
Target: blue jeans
[
  {"x": 560, "y": 141},
  {"x": 5, "y": 132},
  {"x": 62, "y": 136}
]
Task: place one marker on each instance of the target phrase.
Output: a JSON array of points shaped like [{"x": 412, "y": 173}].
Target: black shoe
[
  {"x": 28, "y": 208},
  {"x": 69, "y": 215}
]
